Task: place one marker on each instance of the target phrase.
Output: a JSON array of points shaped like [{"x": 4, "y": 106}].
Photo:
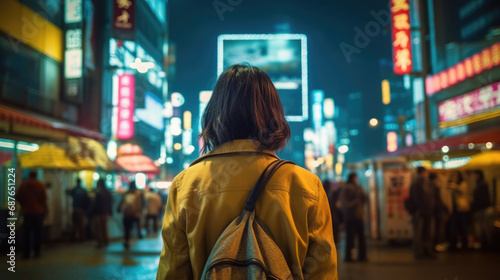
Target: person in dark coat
[
  {"x": 424, "y": 197},
  {"x": 441, "y": 213},
  {"x": 338, "y": 219},
  {"x": 131, "y": 206},
  {"x": 333, "y": 196},
  {"x": 81, "y": 203},
  {"x": 100, "y": 210},
  {"x": 32, "y": 196},
  {"x": 352, "y": 200},
  {"x": 480, "y": 204}
]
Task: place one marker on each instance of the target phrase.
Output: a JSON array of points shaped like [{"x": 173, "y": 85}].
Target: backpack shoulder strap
[{"x": 264, "y": 178}]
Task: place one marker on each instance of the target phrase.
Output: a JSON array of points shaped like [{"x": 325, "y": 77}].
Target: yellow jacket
[{"x": 207, "y": 196}]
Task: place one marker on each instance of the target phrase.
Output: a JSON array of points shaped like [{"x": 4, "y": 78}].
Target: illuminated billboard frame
[{"x": 303, "y": 49}]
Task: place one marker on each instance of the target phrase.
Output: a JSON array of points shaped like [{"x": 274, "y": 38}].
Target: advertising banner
[
  {"x": 474, "y": 102},
  {"x": 397, "y": 187},
  {"x": 282, "y": 56}
]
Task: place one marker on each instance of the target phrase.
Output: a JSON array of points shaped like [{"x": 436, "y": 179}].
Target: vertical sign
[
  {"x": 73, "y": 54},
  {"x": 392, "y": 141},
  {"x": 386, "y": 92},
  {"x": 125, "y": 126},
  {"x": 124, "y": 15},
  {"x": 397, "y": 187},
  {"x": 401, "y": 40}
]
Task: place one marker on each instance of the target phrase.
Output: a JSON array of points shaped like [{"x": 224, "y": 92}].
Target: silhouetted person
[
  {"x": 153, "y": 207},
  {"x": 32, "y": 196},
  {"x": 424, "y": 197},
  {"x": 480, "y": 203},
  {"x": 101, "y": 210},
  {"x": 81, "y": 203},
  {"x": 444, "y": 218},
  {"x": 333, "y": 196},
  {"x": 131, "y": 207},
  {"x": 337, "y": 217},
  {"x": 461, "y": 207},
  {"x": 440, "y": 213},
  {"x": 352, "y": 201}
]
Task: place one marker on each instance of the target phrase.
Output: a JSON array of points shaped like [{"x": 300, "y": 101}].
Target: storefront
[{"x": 60, "y": 152}]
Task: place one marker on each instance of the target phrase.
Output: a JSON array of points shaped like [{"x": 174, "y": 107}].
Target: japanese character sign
[{"x": 401, "y": 40}]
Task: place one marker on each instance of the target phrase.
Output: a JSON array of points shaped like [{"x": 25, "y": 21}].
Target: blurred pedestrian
[
  {"x": 441, "y": 213},
  {"x": 461, "y": 206},
  {"x": 153, "y": 207},
  {"x": 242, "y": 127},
  {"x": 447, "y": 200},
  {"x": 337, "y": 219},
  {"x": 424, "y": 197},
  {"x": 100, "y": 210},
  {"x": 479, "y": 207},
  {"x": 352, "y": 202},
  {"x": 81, "y": 203},
  {"x": 32, "y": 197},
  {"x": 131, "y": 207}
]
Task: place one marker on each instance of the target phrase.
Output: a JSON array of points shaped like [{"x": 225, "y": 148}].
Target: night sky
[{"x": 195, "y": 25}]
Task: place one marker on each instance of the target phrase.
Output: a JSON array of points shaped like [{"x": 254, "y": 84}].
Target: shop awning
[
  {"x": 51, "y": 156},
  {"x": 486, "y": 159},
  {"x": 454, "y": 142},
  {"x": 90, "y": 150},
  {"x": 31, "y": 119}
]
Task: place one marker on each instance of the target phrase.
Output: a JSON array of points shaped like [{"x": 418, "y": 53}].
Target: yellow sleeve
[
  {"x": 321, "y": 258},
  {"x": 174, "y": 260}
]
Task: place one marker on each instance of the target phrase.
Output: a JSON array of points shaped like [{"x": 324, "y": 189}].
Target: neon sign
[{"x": 126, "y": 87}]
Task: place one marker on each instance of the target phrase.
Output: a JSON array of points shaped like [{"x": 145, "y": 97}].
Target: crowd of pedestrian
[
  {"x": 347, "y": 206},
  {"x": 444, "y": 214},
  {"x": 91, "y": 211}
]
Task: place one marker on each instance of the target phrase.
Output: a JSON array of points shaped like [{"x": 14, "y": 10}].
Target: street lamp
[
  {"x": 343, "y": 149},
  {"x": 373, "y": 122}
]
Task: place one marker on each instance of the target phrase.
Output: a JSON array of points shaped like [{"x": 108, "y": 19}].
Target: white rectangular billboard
[{"x": 282, "y": 56}]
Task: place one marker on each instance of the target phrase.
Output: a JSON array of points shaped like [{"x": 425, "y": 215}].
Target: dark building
[
  {"x": 135, "y": 48},
  {"x": 49, "y": 96},
  {"x": 464, "y": 67},
  {"x": 399, "y": 112}
]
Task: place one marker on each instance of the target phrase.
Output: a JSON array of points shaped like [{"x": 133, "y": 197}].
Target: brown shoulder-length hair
[{"x": 244, "y": 105}]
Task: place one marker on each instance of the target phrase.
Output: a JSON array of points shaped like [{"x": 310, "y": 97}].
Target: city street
[
  {"x": 83, "y": 261},
  {"x": 376, "y": 118}
]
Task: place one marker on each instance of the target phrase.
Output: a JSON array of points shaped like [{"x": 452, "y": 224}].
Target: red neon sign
[
  {"x": 495, "y": 54},
  {"x": 401, "y": 39},
  {"x": 467, "y": 68},
  {"x": 486, "y": 59},
  {"x": 460, "y": 71},
  {"x": 443, "y": 78},
  {"x": 477, "y": 66},
  {"x": 429, "y": 85},
  {"x": 125, "y": 118}
]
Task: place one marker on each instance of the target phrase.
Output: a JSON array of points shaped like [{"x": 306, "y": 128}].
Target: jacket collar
[{"x": 236, "y": 147}]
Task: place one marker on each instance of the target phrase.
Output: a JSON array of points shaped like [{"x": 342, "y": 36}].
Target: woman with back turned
[{"x": 242, "y": 127}]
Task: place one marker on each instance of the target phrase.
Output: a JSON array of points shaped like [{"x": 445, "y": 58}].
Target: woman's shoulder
[{"x": 300, "y": 181}]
